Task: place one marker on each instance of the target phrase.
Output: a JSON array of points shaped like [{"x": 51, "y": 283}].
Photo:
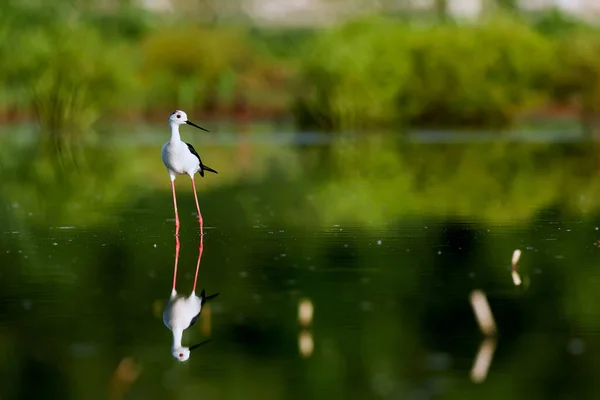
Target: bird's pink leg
[
  {"x": 198, "y": 208},
  {"x": 176, "y": 262},
  {"x": 198, "y": 263},
  {"x": 175, "y": 208}
]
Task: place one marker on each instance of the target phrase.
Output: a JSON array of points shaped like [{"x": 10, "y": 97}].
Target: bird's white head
[
  {"x": 181, "y": 354},
  {"x": 179, "y": 117}
]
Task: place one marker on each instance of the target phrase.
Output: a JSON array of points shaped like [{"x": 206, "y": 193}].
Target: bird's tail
[
  {"x": 206, "y": 168},
  {"x": 206, "y": 298}
]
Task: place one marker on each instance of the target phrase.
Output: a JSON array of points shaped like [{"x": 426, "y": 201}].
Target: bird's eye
[
  {"x": 180, "y": 355},
  {"x": 178, "y": 116}
]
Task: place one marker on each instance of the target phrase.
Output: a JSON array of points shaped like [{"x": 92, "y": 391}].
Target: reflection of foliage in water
[
  {"x": 362, "y": 181},
  {"x": 79, "y": 183},
  {"x": 493, "y": 182}
]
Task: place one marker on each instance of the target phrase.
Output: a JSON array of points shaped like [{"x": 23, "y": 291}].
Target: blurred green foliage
[
  {"x": 373, "y": 180},
  {"x": 69, "y": 66},
  {"x": 377, "y": 71},
  {"x": 579, "y": 74},
  {"x": 184, "y": 65},
  {"x": 63, "y": 71}
]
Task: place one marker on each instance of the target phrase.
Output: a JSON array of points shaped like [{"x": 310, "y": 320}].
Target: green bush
[
  {"x": 578, "y": 79},
  {"x": 194, "y": 67},
  {"x": 191, "y": 65},
  {"x": 556, "y": 24},
  {"x": 484, "y": 75},
  {"x": 354, "y": 74},
  {"x": 69, "y": 67},
  {"x": 66, "y": 73},
  {"x": 380, "y": 71}
]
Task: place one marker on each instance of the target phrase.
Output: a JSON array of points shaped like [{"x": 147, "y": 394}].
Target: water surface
[{"x": 386, "y": 239}]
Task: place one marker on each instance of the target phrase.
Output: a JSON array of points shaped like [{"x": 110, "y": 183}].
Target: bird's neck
[
  {"x": 175, "y": 133},
  {"x": 177, "y": 334}
]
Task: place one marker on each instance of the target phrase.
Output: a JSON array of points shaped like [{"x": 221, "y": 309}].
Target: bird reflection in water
[{"x": 181, "y": 311}]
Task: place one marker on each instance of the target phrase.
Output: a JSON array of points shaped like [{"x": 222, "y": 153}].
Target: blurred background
[{"x": 379, "y": 163}]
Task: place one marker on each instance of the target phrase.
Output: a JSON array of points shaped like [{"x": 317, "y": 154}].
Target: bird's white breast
[
  {"x": 178, "y": 159},
  {"x": 181, "y": 311}
]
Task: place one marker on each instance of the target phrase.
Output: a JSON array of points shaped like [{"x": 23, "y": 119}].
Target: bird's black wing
[
  {"x": 194, "y": 152},
  {"x": 202, "y": 166},
  {"x": 203, "y": 299},
  {"x": 195, "y": 318}
]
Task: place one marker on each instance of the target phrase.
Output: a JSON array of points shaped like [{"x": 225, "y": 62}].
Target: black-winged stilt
[
  {"x": 181, "y": 158},
  {"x": 181, "y": 312}
]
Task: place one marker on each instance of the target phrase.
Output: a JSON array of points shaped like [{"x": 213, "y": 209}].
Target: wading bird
[
  {"x": 181, "y": 312},
  {"x": 181, "y": 158}
]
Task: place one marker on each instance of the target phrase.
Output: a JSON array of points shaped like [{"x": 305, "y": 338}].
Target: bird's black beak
[
  {"x": 193, "y": 124},
  {"x": 199, "y": 344}
]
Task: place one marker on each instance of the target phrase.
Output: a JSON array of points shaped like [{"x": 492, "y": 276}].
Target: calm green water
[{"x": 386, "y": 239}]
